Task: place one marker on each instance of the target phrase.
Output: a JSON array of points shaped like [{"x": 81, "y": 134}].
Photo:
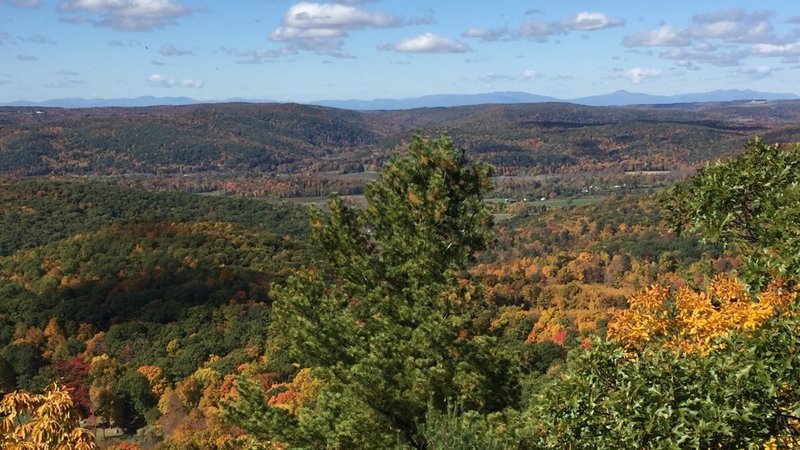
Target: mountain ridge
[
  {"x": 616, "y": 98},
  {"x": 307, "y": 140}
]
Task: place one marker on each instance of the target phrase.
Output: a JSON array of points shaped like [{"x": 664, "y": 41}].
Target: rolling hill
[{"x": 263, "y": 139}]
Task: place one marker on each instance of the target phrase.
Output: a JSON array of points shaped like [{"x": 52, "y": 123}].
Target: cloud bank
[
  {"x": 125, "y": 15},
  {"x": 159, "y": 80}
]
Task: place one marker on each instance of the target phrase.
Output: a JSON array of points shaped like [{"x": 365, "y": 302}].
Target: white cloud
[
  {"x": 430, "y": 43},
  {"x": 171, "y": 50},
  {"x": 664, "y": 36},
  {"x": 734, "y": 25},
  {"x": 335, "y": 16},
  {"x": 486, "y": 34},
  {"x": 291, "y": 34},
  {"x": 127, "y": 15},
  {"x": 323, "y": 27},
  {"x": 783, "y": 50},
  {"x": 527, "y": 74},
  {"x": 540, "y": 31},
  {"x": 161, "y": 81},
  {"x": 638, "y": 74},
  {"x": 27, "y": 58},
  {"x": 708, "y": 55},
  {"x": 588, "y": 21},
  {"x": 756, "y": 73}
]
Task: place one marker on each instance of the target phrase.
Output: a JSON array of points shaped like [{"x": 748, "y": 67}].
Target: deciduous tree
[
  {"x": 750, "y": 203},
  {"x": 42, "y": 421}
]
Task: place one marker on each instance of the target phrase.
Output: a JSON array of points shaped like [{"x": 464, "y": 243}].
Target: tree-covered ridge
[
  {"x": 270, "y": 139},
  {"x": 29, "y": 207},
  {"x": 173, "y": 139},
  {"x": 98, "y": 281}
]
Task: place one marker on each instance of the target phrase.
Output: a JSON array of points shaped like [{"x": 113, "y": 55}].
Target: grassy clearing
[{"x": 572, "y": 201}]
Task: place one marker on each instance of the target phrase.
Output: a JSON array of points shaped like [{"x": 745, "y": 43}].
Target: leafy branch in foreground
[
  {"x": 751, "y": 203},
  {"x": 712, "y": 369},
  {"x": 47, "y": 420}
]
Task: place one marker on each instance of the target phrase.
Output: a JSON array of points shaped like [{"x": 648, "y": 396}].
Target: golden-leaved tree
[
  {"x": 694, "y": 321},
  {"x": 42, "y": 421}
]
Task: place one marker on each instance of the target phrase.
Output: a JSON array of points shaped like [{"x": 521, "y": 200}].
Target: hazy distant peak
[{"x": 616, "y": 98}]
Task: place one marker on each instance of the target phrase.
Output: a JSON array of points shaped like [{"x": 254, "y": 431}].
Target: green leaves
[
  {"x": 425, "y": 213},
  {"x": 743, "y": 393},
  {"x": 732, "y": 398},
  {"x": 386, "y": 319},
  {"x": 751, "y": 203}
]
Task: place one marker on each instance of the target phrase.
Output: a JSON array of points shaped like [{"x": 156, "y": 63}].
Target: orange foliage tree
[
  {"x": 42, "y": 421},
  {"x": 693, "y": 321}
]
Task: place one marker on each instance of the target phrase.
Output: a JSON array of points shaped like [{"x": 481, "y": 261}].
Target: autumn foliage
[
  {"x": 691, "y": 321},
  {"x": 42, "y": 421}
]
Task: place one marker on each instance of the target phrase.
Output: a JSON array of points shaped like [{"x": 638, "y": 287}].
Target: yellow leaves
[
  {"x": 645, "y": 318},
  {"x": 780, "y": 443},
  {"x": 300, "y": 392},
  {"x": 691, "y": 321},
  {"x": 307, "y": 386},
  {"x": 42, "y": 421},
  {"x": 414, "y": 199},
  {"x": 551, "y": 326},
  {"x": 508, "y": 316},
  {"x": 155, "y": 376}
]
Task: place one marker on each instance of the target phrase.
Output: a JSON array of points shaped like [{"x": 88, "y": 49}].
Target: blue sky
[{"x": 350, "y": 49}]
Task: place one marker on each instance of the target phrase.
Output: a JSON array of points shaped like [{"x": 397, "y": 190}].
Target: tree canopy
[
  {"x": 715, "y": 368},
  {"x": 750, "y": 203},
  {"x": 388, "y": 321}
]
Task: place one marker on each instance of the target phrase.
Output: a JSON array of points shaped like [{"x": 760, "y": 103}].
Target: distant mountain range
[
  {"x": 617, "y": 98},
  {"x": 108, "y": 102},
  {"x": 438, "y": 101},
  {"x": 625, "y": 98}
]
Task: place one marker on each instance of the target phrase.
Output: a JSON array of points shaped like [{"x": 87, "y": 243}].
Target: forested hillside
[
  {"x": 210, "y": 141},
  {"x": 548, "y": 299}
]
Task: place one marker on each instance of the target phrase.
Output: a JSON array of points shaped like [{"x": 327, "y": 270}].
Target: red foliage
[
  {"x": 124, "y": 446},
  {"x": 74, "y": 368},
  {"x": 74, "y": 372},
  {"x": 79, "y": 392},
  {"x": 283, "y": 398},
  {"x": 560, "y": 337}
]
